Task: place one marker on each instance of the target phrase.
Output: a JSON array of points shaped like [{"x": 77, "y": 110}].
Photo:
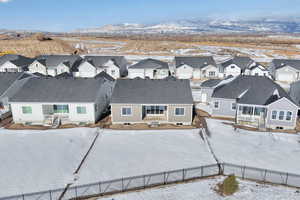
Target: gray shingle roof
[
  {"x": 55, "y": 60},
  {"x": 18, "y": 60},
  {"x": 258, "y": 90},
  {"x": 150, "y": 64},
  {"x": 143, "y": 91},
  {"x": 105, "y": 76},
  {"x": 210, "y": 83},
  {"x": 195, "y": 62},
  {"x": 99, "y": 61},
  {"x": 279, "y": 63},
  {"x": 59, "y": 90},
  {"x": 295, "y": 92},
  {"x": 242, "y": 62},
  {"x": 7, "y": 79}
]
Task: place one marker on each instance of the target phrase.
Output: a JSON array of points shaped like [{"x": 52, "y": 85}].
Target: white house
[
  {"x": 14, "y": 63},
  {"x": 151, "y": 68},
  {"x": 285, "y": 70},
  {"x": 196, "y": 67},
  {"x": 243, "y": 65},
  {"x": 68, "y": 101},
  {"x": 115, "y": 66},
  {"x": 54, "y": 65},
  {"x": 10, "y": 83}
]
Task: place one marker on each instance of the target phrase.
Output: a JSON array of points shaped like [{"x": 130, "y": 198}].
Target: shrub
[{"x": 228, "y": 187}]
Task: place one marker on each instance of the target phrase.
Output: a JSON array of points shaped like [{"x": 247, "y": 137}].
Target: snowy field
[
  {"x": 275, "y": 151},
  {"x": 204, "y": 190},
  {"x": 33, "y": 161},
  {"x": 130, "y": 153}
]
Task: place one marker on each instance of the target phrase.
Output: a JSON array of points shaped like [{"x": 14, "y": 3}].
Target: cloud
[{"x": 4, "y": 1}]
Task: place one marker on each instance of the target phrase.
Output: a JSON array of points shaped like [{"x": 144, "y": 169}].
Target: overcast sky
[{"x": 65, "y": 15}]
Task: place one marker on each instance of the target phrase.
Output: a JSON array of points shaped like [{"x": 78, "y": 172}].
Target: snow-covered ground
[
  {"x": 275, "y": 151},
  {"x": 204, "y": 190},
  {"x": 33, "y": 161},
  {"x": 129, "y": 153}
]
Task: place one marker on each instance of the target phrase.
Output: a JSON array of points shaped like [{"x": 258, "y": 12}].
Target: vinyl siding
[
  {"x": 282, "y": 105},
  {"x": 224, "y": 109},
  {"x": 188, "y": 114},
  {"x": 136, "y": 113}
]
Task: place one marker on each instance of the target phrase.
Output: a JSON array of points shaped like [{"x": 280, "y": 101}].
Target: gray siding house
[
  {"x": 254, "y": 100},
  {"x": 14, "y": 63},
  {"x": 151, "y": 68},
  {"x": 64, "y": 100},
  {"x": 166, "y": 101},
  {"x": 285, "y": 70}
]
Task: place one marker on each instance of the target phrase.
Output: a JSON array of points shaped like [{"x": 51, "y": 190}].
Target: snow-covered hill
[{"x": 203, "y": 26}]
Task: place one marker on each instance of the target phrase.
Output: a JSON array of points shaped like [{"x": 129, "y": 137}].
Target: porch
[
  {"x": 56, "y": 114},
  {"x": 252, "y": 115}
]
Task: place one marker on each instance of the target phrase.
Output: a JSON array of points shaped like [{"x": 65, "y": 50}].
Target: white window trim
[
  {"x": 284, "y": 117},
  {"x": 81, "y": 107},
  {"x": 291, "y": 116},
  {"x": 126, "y": 107},
  {"x": 218, "y": 108},
  {"x": 179, "y": 108}
]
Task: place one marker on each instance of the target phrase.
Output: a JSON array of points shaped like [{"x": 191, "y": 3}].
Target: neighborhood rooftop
[
  {"x": 241, "y": 61},
  {"x": 145, "y": 91},
  {"x": 150, "y": 63},
  {"x": 59, "y": 90},
  {"x": 195, "y": 62},
  {"x": 7, "y": 79},
  {"x": 54, "y": 60},
  {"x": 279, "y": 63},
  {"x": 258, "y": 90},
  {"x": 99, "y": 61},
  {"x": 18, "y": 60}
]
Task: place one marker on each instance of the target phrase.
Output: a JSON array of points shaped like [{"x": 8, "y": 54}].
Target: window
[
  {"x": 233, "y": 106},
  {"x": 1, "y": 105},
  {"x": 247, "y": 110},
  {"x": 179, "y": 111},
  {"x": 281, "y": 115},
  {"x": 211, "y": 74},
  {"x": 216, "y": 104},
  {"x": 26, "y": 109},
  {"x": 274, "y": 114},
  {"x": 81, "y": 110},
  {"x": 126, "y": 111},
  {"x": 232, "y": 67},
  {"x": 289, "y": 116},
  {"x": 61, "y": 108},
  {"x": 113, "y": 72},
  {"x": 259, "y": 110},
  {"x": 155, "y": 110}
]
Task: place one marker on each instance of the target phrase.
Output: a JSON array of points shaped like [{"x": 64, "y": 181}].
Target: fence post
[
  {"x": 23, "y": 196},
  {"x": 99, "y": 185},
  {"x": 286, "y": 180},
  {"x": 122, "y": 184},
  {"x": 201, "y": 171},
  {"x": 183, "y": 174},
  {"x": 243, "y": 172},
  {"x": 165, "y": 178},
  {"x": 144, "y": 179},
  {"x": 265, "y": 176},
  {"x": 50, "y": 194}
]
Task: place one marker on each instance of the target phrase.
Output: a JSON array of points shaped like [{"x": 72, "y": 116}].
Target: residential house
[
  {"x": 149, "y": 68},
  {"x": 115, "y": 66},
  {"x": 61, "y": 100},
  {"x": 285, "y": 70},
  {"x": 243, "y": 65},
  {"x": 10, "y": 84},
  {"x": 14, "y": 63},
  {"x": 53, "y": 65},
  {"x": 196, "y": 67},
  {"x": 254, "y": 100},
  {"x": 295, "y": 92},
  {"x": 152, "y": 101}
]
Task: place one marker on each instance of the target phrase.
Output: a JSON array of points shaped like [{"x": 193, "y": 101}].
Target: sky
[{"x": 68, "y": 15}]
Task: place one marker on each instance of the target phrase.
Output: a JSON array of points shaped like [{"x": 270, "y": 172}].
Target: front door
[{"x": 204, "y": 97}]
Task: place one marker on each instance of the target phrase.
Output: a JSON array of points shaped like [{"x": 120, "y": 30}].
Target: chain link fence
[{"x": 163, "y": 178}]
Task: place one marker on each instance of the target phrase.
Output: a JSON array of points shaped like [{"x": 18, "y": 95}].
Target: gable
[
  {"x": 287, "y": 69},
  {"x": 8, "y": 64},
  {"x": 185, "y": 67},
  {"x": 283, "y": 102},
  {"x": 86, "y": 66},
  {"x": 110, "y": 64}
]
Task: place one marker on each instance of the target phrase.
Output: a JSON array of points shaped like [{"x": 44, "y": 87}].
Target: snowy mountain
[{"x": 203, "y": 26}]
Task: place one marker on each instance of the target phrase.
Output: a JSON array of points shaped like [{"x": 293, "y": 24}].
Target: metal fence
[
  {"x": 163, "y": 178},
  {"x": 263, "y": 175},
  {"x": 123, "y": 184}
]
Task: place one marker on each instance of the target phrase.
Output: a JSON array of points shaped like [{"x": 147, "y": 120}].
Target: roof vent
[{"x": 205, "y": 63}]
